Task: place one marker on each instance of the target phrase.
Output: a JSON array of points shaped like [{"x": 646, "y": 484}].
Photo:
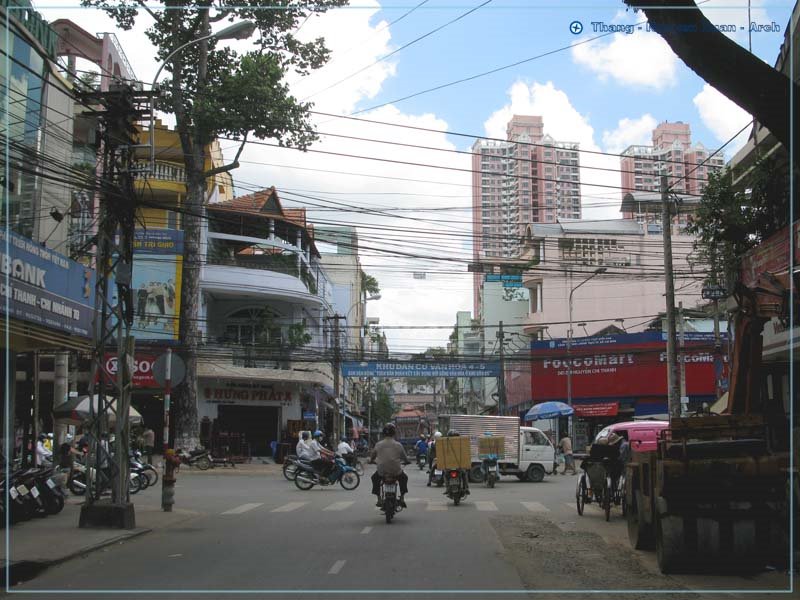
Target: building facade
[{"x": 530, "y": 178}]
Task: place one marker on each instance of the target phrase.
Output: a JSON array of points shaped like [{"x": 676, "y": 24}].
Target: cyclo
[{"x": 603, "y": 477}]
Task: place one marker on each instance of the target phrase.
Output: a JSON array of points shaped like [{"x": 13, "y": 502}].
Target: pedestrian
[
  {"x": 149, "y": 442},
  {"x": 565, "y": 446},
  {"x": 66, "y": 457},
  {"x": 43, "y": 456}
]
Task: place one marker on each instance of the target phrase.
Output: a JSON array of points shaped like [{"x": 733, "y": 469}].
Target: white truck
[{"x": 528, "y": 453}]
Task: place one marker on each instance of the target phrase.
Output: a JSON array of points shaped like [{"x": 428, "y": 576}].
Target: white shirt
[
  {"x": 316, "y": 448},
  {"x": 304, "y": 450},
  {"x": 344, "y": 448},
  {"x": 42, "y": 454}
]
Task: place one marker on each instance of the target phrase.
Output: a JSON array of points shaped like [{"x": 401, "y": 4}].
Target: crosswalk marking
[
  {"x": 243, "y": 508},
  {"x": 289, "y": 507},
  {"x": 436, "y": 505},
  {"x": 366, "y": 530},
  {"x": 486, "y": 505},
  {"x": 535, "y": 507},
  {"x": 337, "y": 566},
  {"x": 339, "y": 505}
]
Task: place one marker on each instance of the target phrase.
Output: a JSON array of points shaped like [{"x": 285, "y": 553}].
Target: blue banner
[
  {"x": 45, "y": 287},
  {"x": 420, "y": 369}
]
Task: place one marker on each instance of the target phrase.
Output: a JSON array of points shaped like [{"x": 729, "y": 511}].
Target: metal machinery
[{"x": 715, "y": 493}]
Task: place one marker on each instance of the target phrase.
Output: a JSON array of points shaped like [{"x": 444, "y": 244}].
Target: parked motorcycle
[
  {"x": 77, "y": 485},
  {"x": 148, "y": 470},
  {"x": 390, "y": 504},
  {"x": 198, "y": 457},
  {"x": 307, "y": 477},
  {"x": 455, "y": 488}
]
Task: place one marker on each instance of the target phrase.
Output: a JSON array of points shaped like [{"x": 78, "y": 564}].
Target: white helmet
[{"x": 437, "y": 435}]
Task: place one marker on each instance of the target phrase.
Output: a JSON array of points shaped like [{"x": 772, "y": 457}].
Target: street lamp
[
  {"x": 598, "y": 271},
  {"x": 237, "y": 31}
]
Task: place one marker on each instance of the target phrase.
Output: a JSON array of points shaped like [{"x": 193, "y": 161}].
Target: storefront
[{"x": 614, "y": 378}]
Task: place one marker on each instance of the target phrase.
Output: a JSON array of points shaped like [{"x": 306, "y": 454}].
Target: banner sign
[
  {"x": 45, "y": 287},
  {"x": 142, "y": 369},
  {"x": 619, "y": 366},
  {"x": 599, "y": 409},
  {"x": 158, "y": 241},
  {"x": 420, "y": 369},
  {"x": 241, "y": 392}
]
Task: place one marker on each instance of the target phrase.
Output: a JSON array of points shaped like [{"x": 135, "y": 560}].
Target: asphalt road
[{"x": 256, "y": 532}]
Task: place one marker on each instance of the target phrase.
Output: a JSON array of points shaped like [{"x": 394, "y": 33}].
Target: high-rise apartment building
[
  {"x": 672, "y": 154},
  {"x": 531, "y": 178}
]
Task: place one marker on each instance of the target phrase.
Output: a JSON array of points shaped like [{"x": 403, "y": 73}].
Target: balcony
[
  {"x": 163, "y": 171},
  {"x": 234, "y": 361},
  {"x": 276, "y": 263}
]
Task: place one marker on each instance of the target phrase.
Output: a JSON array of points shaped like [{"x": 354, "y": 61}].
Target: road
[{"x": 262, "y": 533}]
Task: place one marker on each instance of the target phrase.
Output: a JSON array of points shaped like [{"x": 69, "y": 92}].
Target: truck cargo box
[{"x": 475, "y": 426}]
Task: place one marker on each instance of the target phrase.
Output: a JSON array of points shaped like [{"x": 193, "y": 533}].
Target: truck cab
[{"x": 536, "y": 452}]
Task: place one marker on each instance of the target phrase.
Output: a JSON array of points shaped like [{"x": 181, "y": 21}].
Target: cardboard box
[
  {"x": 453, "y": 453},
  {"x": 492, "y": 445}
]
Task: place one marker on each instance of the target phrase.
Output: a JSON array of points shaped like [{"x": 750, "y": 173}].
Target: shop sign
[
  {"x": 309, "y": 416},
  {"x": 599, "y": 409},
  {"x": 44, "y": 287},
  {"x": 34, "y": 23},
  {"x": 216, "y": 394},
  {"x": 142, "y": 369}
]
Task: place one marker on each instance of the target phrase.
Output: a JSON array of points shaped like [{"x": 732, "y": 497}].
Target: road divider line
[
  {"x": 340, "y": 505},
  {"x": 485, "y": 505},
  {"x": 536, "y": 507},
  {"x": 366, "y": 530},
  {"x": 337, "y": 566},
  {"x": 243, "y": 508},
  {"x": 289, "y": 507}
]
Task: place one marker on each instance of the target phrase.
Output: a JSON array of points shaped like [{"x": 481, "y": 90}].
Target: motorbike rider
[
  {"x": 421, "y": 446},
  {"x": 303, "y": 449},
  {"x": 462, "y": 472},
  {"x": 43, "y": 455},
  {"x": 344, "y": 447},
  {"x": 432, "y": 456},
  {"x": 489, "y": 460},
  {"x": 390, "y": 456},
  {"x": 323, "y": 458}
]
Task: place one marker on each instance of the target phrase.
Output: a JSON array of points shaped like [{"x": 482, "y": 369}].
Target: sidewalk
[
  {"x": 254, "y": 468},
  {"x": 40, "y": 543}
]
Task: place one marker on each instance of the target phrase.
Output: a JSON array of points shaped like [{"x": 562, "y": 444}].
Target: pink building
[
  {"x": 531, "y": 178},
  {"x": 672, "y": 154}
]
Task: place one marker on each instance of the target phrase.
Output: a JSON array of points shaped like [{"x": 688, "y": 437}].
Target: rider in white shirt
[
  {"x": 344, "y": 448},
  {"x": 304, "y": 449}
]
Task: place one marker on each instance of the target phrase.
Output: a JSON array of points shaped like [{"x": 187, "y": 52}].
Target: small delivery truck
[{"x": 528, "y": 454}]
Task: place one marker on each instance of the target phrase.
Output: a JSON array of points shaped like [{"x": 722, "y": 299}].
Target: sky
[{"x": 411, "y": 204}]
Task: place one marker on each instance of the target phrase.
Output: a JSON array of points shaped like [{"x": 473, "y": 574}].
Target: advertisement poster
[{"x": 157, "y": 266}]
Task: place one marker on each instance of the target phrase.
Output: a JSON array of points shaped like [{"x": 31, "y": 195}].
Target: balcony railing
[
  {"x": 162, "y": 171},
  {"x": 275, "y": 262}
]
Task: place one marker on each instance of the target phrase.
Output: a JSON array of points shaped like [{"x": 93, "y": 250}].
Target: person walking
[
  {"x": 565, "y": 446},
  {"x": 149, "y": 442}
]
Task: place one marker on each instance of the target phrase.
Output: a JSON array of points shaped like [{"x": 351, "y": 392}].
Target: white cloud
[
  {"x": 639, "y": 60},
  {"x": 734, "y": 12},
  {"x": 630, "y": 132},
  {"x": 599, "y": 173},
  {"x": 723, "y": 117}
]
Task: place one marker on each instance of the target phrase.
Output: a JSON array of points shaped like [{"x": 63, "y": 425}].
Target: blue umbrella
[{"x": 548, "y": 410}]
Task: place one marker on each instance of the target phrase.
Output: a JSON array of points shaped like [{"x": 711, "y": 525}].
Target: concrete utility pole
[
  {"x": 337, "y": 360},
  {"x": 674, "y": 403},
  {"x": 682, "y": 357},
  {"x": 717, "y": 350},
  {"x": 501, "y": 380}
]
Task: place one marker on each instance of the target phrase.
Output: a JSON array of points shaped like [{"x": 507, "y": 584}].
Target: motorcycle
[
  {"x": 290, "y": 467},
  {"x": 77, "y": 485},
  {"x": 422, "y": 460},
  {"x": 307, "y": 477},
  {"x": 198, "y": 457},
  {"x": 147, "y": 470},
  {"x": 352, "y": 461},
  {"x": 456, "y": 488},
  {"x": 390, "y": 504},
  {"x": 491, "y": 471},
  {"x": 438, "y": 476}
]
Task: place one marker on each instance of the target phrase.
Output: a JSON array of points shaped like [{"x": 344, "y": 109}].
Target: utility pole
[
  {"x": 717, "y": 351},
  {"x": 681, "y": 356},
  {"x": 337, "y": 360},
  {"x": 501, "y": 380},
  {"x": 108, "y": 394},
  {"x": 674, "y": 404}
]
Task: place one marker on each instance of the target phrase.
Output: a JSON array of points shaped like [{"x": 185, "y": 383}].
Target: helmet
[
  {"x": 50, "y": 436},
  {"x": 42, "y": 437},
  {"x": 452, "y": 433},
  {"x": 343, "y": 438},
  {"x": 437, "y": 435},
  {"x": 317, "y": 433},
  {"x": 304, "y": 435},
  {"x": 389, "y": 429}
]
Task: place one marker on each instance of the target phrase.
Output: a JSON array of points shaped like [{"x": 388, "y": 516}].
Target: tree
[
  {"x": 764, "y": 92},
  {"x": 218, "y": 92},
  {"x": 369, "y": 284},
  {"x": 383, "y": 409}
]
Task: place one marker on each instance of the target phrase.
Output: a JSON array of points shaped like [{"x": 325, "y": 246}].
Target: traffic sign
[
  {"x": 177, "y": 371},
  {"x": 714, "y": 292}
]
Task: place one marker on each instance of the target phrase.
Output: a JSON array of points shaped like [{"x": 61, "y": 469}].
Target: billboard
[
  {"x": 142, "y": 369},
  {"x": 156, "y": 283},
  {"x": 618, "y": 367},
  {"x": 44, "y": 287},
  {"x": 420, "y": 369}
]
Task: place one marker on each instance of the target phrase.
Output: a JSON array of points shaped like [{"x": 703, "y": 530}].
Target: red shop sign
[
  {"x": 600, "y": 409},
  {"x": 142, "y": 369}
]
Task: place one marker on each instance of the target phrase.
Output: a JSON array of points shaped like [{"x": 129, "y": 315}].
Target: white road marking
[
  {"x": 571, "y": 505},
  {"x": 339, "y": 505},
  {"x": 536, "y": 507},
  {"x": 486, "y": 505},
  {"x": 289, "y": 507},
  {"x": 366, "y": 530},
  {"x": 337, "y": 566},
  {"x": 436, "y": 505},
  {"x": 243, "y": 508}
]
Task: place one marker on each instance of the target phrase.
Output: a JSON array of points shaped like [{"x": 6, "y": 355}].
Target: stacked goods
[
  {"x": 491, "y": 446},
  {"x": 453, "y": 453}
]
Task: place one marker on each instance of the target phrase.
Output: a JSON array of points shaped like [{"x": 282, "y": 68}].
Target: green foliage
[
  {"x": 369, "y": 284},
  {"x": 730, "y": 221},
  {"x": 297, "y": 336},
  {"x": 90, "y": 79},
  {"x": 382, "y": 408}
]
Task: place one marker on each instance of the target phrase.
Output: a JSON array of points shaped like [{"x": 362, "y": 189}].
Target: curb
[{"x": 25, "y": 570}]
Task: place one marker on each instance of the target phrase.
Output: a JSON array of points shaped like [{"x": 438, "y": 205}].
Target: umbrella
[
  {"x": 548, "y": 410},
  {"x": 77, "y": 409}
]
